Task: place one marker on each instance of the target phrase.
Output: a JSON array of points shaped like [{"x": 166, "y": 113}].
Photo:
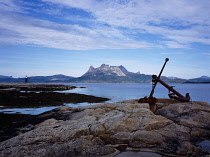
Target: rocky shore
[
  {"x": 33, "y": 87},
  {"x": 28, "y": 95},
  {"x": 106, "y": 129},
  {"x": 32, "y": 99}
]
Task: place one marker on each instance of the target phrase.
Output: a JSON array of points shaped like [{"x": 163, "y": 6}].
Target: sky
[{"x": 48, "y": 37}]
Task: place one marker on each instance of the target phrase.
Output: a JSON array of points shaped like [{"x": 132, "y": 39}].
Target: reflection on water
[
  {"x": 138, "y": 154},
  {"x": 31, "y": 111},
  {"x": 205, "y": 145},
  {"x": 79, "y": 104}
]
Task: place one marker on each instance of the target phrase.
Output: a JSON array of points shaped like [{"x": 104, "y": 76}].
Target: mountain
[
  {"x": 116, "y": 74},
  {"x": 2, "y": 76},
  {"x": 172, "y": 77},
  {"x": 111, "y": 74},
  {"x": 38, "y": 79},
  {"x": 105, "y": 70},
  {"x": 202, "y": 79},
  {"x": 104, "y": 74},
  {"x": 53, "y": 78},
  {"x": 205, "y": 77}
]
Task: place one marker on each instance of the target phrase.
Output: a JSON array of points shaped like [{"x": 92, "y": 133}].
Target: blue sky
[{"x": 47, "y": 37}]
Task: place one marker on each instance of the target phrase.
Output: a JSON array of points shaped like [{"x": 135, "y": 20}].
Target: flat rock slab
[{"x": 107, "y": 128}]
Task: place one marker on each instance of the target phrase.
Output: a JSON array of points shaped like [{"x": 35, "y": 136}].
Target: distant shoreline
[{"x": 196, "y": 82}]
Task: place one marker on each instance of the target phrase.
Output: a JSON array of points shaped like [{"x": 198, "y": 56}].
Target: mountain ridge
[
  {"x": 104, "y": 74},
  {"x": 38, "y": 79},
  {"x": 106, "y": 69},
  {"x": 117, "y": 74}
]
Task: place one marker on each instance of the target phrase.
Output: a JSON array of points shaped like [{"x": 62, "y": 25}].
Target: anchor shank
[{"x": 155, "y": 82}]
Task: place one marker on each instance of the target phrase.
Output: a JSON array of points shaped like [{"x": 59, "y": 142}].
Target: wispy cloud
[
  {"x": 208, "y": 54},
  {"x": 181, "y": 21},
  {"x": 63, "y": 36},
  {"x": 109, "y": 24},
  {"x": 28, "y": 30},
  {"x": 9, "y": 5}
]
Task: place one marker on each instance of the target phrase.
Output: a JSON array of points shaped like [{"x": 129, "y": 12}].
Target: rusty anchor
[{"x": 173, "y": 94}]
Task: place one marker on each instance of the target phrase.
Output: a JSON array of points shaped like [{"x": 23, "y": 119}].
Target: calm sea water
[{"x": 124, "y": 91}]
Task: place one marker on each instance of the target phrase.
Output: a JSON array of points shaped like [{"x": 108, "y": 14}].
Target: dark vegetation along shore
[
  {"x": 37, "y": 95},
  {"x": 173, "y": 129},
  {"x": 28, "y": 95}
]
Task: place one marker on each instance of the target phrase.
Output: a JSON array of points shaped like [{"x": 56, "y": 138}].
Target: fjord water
[{"x": 123, "y": 91}]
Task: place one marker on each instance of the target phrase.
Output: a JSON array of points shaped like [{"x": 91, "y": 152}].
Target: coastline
[
  {"x": 26, "y": 95},
  {"x": 106, "y": 129},
  {"x": 115, "y": 128},
  {"x": 29, "y": 95}
]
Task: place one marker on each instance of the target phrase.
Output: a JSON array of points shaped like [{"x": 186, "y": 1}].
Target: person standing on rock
[{"x": 26, "y": 79}]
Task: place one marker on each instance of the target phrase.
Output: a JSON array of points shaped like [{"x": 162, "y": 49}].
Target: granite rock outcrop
[{"x": 108, "y": 128}]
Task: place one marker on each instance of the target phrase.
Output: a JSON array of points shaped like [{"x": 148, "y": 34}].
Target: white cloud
[
  {"x": 9, "y": 5},
  {"x": 208, "y": 54},
  {"x": 62, "y": 36},
  {"x": 115, "y": 24},
  {"x": 167, "y": 18},
  {"x": 173, "y": 44}
]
